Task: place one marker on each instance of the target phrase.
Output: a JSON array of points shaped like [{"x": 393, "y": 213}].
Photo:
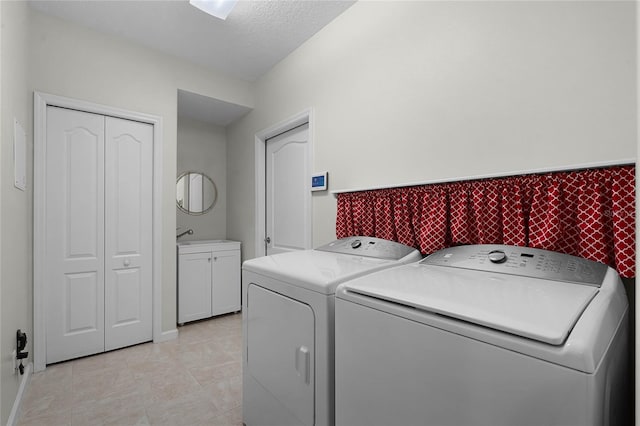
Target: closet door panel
[
  {"x": 128, "y": 233},
  {"x": 74, "y": 234}
]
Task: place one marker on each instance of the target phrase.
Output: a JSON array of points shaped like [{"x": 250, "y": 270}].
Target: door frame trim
[
  {"x": 40, "y": 103},
  {"x": 305, "y": 116}
]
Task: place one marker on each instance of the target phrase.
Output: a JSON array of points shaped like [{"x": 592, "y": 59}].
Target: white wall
[
  {"x": 415, "y": 91},
  {"x": 16, "y": 207},
  {"x": 202, "y": 147},
  {"x": 72, "y": 61}
]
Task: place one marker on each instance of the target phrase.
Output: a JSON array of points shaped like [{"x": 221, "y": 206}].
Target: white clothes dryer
[
  {"x": 288, "y": 327},
  {"x": 483, "y": 335}
]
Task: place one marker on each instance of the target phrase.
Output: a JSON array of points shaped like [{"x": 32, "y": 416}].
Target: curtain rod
[{"x": 575, "y": 167}]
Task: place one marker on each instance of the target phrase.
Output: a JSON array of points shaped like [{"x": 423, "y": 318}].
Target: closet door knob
[{"x": 126, "y": 262}]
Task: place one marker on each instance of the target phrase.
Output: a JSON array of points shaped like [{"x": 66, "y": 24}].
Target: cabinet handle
[{"x": 209, "y": 259}]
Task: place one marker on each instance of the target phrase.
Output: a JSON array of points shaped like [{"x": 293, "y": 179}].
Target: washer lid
[{"x": 537, "y": 309}]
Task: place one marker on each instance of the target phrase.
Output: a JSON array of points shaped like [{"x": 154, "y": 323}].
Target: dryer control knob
[
  {"x": 356, "y": 243},
  {"x": 497, "y": 256}
]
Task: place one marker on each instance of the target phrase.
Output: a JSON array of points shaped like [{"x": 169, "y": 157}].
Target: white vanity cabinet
[{"x": 208, "y": 279}]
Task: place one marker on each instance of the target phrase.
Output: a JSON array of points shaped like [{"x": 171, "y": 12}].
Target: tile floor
[{"x": 193, "y": 380}]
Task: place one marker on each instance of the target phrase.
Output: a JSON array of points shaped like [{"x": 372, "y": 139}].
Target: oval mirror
[{"x": 195, "y": 193}]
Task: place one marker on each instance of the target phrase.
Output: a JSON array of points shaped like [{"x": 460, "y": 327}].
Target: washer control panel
[
  {"x": 371, "y": 247},
  {"x": 521, "y": 261}
]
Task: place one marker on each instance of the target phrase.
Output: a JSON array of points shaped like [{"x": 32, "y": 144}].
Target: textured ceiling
[{"x": 255, "y": 36}]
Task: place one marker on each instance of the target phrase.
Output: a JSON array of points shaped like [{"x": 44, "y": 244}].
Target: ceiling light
[{"x": 218, "y": 8}]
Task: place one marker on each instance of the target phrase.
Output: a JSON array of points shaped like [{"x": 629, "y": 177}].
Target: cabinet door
[
  {"x": 226, "y": 282},
  {"x": 194, "y": 286}
]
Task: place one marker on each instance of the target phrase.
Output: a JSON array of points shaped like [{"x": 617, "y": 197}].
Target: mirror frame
[{"x": 215, "y": 193}]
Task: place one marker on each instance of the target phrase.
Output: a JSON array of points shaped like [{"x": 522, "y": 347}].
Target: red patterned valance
[{"x": 589, "y": 213}]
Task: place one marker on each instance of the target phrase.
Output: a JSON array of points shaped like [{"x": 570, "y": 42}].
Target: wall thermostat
[{"x": 319, "y": 181}]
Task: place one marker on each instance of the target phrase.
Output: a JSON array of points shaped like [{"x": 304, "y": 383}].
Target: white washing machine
[
  {"x": 483, "y": 335},
  {"x": 288, "y": 329}
]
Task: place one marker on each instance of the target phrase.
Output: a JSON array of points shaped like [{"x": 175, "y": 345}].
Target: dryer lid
[
  {"x": 322, "y": 269},
  {"x": 537, "y": 309},
  {"x": 315, "y": 270}
]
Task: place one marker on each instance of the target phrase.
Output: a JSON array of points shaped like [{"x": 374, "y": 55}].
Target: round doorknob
[{"x": 126, "y": 262}]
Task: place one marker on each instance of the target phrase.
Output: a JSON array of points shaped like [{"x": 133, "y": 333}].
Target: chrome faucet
[{"x": 188, "y": 231}]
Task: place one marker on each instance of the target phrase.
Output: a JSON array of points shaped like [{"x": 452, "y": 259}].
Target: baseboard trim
[
  {"x": 24, "y": 383},
  {"x": 167, "y": 336}
]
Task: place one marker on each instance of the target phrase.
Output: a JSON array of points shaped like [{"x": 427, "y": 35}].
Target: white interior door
[
  {"x": 287, "y": 191},
  {"x": 98, "y": 255},
  {"x": 74, "y": 268},
  {"x": 128, "y": 232}
]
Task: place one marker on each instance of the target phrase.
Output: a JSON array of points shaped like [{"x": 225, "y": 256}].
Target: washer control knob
[
  {"x": 497, "y": 256},
  {"x": 355, "y": 244}
]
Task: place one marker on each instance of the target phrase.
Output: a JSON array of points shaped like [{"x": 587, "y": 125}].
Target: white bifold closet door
[{"x": 98, "y": 233}]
